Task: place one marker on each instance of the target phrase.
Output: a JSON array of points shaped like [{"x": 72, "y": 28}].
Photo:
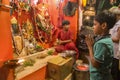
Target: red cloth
[{"x": 66, "y": 35}]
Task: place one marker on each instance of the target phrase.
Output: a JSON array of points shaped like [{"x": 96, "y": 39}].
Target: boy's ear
[{"x": 104, "y": 25}]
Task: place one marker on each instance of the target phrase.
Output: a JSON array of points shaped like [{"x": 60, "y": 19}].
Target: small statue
[{"x": 15, "y": 27}]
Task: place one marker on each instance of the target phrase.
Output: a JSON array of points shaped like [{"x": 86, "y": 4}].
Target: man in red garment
[{"x": 65, "y": 39}]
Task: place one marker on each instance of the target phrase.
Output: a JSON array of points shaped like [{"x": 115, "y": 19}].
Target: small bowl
[
  {"x": 82, "y": 67},
  {"x": 11, "y": 63}
]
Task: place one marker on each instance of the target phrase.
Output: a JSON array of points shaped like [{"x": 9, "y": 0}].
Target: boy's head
[
  {"x": 65, "y": 24},
  {"x": 103, "y": 22}
]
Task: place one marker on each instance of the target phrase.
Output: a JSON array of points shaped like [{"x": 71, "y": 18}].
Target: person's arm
[
  {"x": 58, "y": 42},
  {"x": 89, "y": 42},
  {"x": 64, "y": 42},
  {"x": 117, "y": 38},
  {"x": 69, "y": 40},
  {"x": 118, "y": 33}
]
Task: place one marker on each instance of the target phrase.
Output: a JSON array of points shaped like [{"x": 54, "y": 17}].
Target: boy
[
  {"x": 101, "y": 49},
  {"x": 65, "y": 39}
]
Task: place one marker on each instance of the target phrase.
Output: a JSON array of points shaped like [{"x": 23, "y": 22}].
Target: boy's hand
[{"x": 89, "y": 41}]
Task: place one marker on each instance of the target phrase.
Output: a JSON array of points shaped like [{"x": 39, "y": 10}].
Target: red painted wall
[{"x": 5, "y": 33}]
